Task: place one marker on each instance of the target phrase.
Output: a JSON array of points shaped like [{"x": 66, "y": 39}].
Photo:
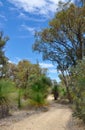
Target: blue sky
[{"x": 19, "y": 19}]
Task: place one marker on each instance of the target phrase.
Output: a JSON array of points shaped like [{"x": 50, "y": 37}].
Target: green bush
[
  {"x": 62, "y": 92},
  {"x": 39, "y": 91},
  {"x": 78, "y": 89},
  {"x": 20, "y": 96},
  {"x": 6, "y": 88},
  {"x": 55, "y": 91}
]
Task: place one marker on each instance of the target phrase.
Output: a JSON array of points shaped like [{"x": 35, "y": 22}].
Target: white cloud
[
  {"x": 36, "y": 6},
  {"x": 46, "y": 65},
  {"x": 15, "y": 60},
  {"x": 27, "y": 28},
  {"x": 25, "y": 17},
  {"x": 28, "y": 5},
  {"x": 10, "y": 61},
  {"x": 52, "y": 71},
  {"x": 50, "y": 67},
  {"x": 22, "y": 15}
]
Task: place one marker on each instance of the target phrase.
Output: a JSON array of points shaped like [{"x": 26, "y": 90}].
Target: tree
[
  {"x": 3, "y": 58},
  {"x": 78, "y": 89},
  {"x": 65, "y": 81},
  {"x": 22, "y": 72},
  {"x": 11, "y": 71},
  {"x": 62, "y": 41},
  {"x": 25, "y": 74}
]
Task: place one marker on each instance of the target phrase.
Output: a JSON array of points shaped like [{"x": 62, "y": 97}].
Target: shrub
[
  {"x": 6, "y": 88},
  {"x": 39, "y": 91},
  {"x": 55, "y": 92},
  {"x": 78, "y": 89}
]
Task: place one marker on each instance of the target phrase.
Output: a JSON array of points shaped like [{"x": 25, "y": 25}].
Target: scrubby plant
[
  {"x": 6, "y": 88},
  {"x": 20, "y": 97},
  {"x": 78, "y": 89},
  {"x": 55, "y": 91},
  {"x": 62, "y": 92},
  {"x": 39, "y": 91}
]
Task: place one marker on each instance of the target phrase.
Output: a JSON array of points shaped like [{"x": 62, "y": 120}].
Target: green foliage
[
  {"x": 19, "y": 98},
  {"x": 3, "y": 58},
  {"x": 78, "y": 89},
  {"x": 55, "y": 90},
  {"x": 20, "y": 81},
  {"x": 62, "y": 41},
  {"x": 6, "y": 88},
  {"x": 39, "y": 91},
  {"x": 37, "y": 98},
  {"x": 62, "y": 92},
  {"x": 25, "y": 75}
]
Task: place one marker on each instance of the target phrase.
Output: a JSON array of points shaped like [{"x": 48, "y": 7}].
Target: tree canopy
[
  {"x": 62, "y": 41},
  {"x": 3, "y": 58}
]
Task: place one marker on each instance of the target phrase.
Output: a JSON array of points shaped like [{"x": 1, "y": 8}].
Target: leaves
[
  {"x": 78, "y": 89},
  {"x": 39, "y": 91},
  {"x": 6, "y": 87},
  {"x": 3, "y": 58},
  {"x": 63, "y": 39}
]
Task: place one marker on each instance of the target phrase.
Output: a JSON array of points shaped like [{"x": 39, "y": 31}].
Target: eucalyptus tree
[
  {"x": 3, "y": 58},
  {"x": 78, "y": 89},
  {"x": 61, "y": 42}
]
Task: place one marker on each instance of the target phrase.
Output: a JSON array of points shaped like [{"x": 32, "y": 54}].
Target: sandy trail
[{"x": 56, "y": 118}]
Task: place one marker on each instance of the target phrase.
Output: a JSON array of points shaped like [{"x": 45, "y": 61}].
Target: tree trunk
[
  {"x": 69, "y": 95},
  {"x": 67, "y": 88}
]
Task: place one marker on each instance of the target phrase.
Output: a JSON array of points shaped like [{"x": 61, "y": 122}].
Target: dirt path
[{"x": 56, "y": 118}]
